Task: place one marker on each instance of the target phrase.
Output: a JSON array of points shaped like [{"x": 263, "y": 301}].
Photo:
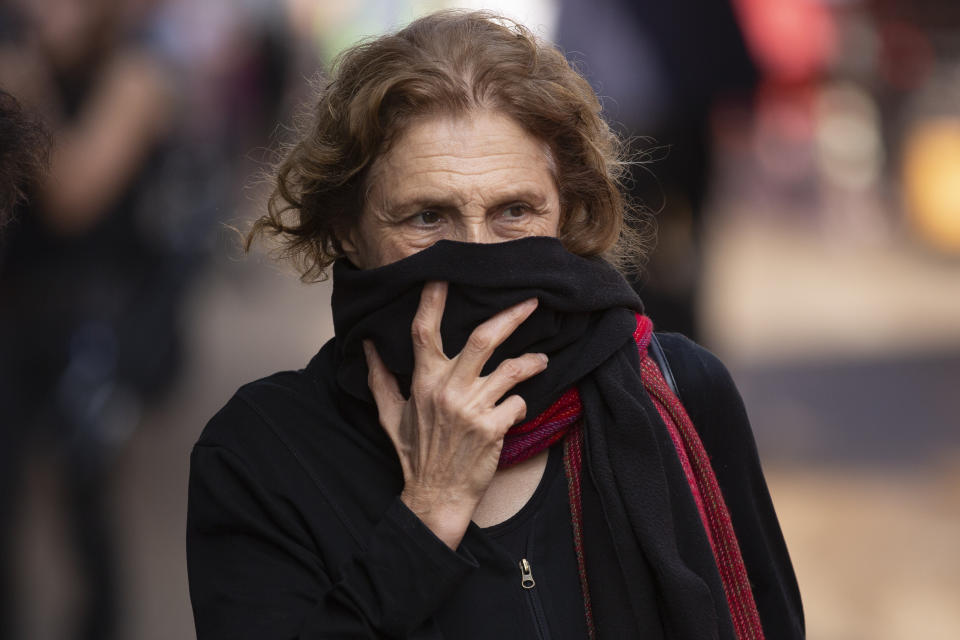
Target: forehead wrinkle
[
  {"x": 452, "y": 163},
  {"x": 451, "y": 156},
  {"x": 444, "y": 171},
  {"x": 444, "y": 186},
  {"x": 462, "y": 154}
]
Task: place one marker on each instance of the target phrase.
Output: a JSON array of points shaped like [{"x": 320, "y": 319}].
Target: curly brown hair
[
  {"x": 447, "y": 63},
  {"x": 24, "y": 154}
]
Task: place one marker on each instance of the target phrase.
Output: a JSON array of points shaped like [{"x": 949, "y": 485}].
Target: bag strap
[{"x": 656, "y": 352}]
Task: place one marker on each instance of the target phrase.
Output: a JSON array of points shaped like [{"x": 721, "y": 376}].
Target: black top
[
  {"x": 295, "y": 528},
  {"x": 494, "y": 603}
]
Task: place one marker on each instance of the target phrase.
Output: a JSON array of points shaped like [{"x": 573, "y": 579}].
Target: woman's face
[{"x": 475, "y": 178}]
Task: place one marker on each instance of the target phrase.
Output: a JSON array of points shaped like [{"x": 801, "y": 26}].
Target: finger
[
  {"x": 511, "y": 411},
  {"x": 512, "y": 372},
  {"x": 487, "y": 337},
  {"x": 386, "y": 392},
  {"x": 425, "y": 329}
]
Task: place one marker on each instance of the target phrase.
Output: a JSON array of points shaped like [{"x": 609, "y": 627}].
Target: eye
[
  {"x": 426, "y": 218},
  {"x": 515, "y": 211}
]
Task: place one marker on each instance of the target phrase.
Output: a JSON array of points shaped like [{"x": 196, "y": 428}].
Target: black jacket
[{"x": 295, "y": 528}]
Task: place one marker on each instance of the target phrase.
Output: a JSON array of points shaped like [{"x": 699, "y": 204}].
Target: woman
[{"x": 485, "y": 449}]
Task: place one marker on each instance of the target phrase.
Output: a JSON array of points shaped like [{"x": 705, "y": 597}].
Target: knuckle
[
  {"x": 519, "y": 407},
  {"x": 420, "y": 332},
  {"x": 512, "y": 369},
  {"x": 481, "y": 339},
  {"x": 490, "y": 428},
  {"x": 449, "y": 399},
  {"x": 374, "y": 379}
]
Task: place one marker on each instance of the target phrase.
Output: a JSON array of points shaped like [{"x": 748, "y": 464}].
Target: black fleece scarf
[{"x": 635, "y": 493}]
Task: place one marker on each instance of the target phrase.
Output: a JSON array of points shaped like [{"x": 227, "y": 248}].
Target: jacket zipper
[
  {"x": 533, "y": 599},
  {"x": 528, "y": 584}
]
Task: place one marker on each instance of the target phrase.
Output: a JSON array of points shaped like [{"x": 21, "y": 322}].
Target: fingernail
[
  {"x": 531, "y": 303},
  {"x": 366, "y": 347},
  {"x": 544, "y": 358}
]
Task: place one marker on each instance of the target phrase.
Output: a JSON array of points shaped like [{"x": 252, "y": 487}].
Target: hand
[{"x": 449, "y": 434}]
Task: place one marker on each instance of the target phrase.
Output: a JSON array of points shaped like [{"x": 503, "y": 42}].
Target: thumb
[{"x": 386, "y": 392}]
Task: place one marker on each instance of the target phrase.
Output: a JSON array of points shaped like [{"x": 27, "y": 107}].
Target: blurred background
[{"x": 803, "y": 161}]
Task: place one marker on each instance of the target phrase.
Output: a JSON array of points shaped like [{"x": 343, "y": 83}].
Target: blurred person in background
[
  {"x": 153, "y": 105},
  {"x": 489, "y": 447},
  {"x": 89, "y": 286},
  {"x": 87, "y": 326},
  {"x": 662, "y": 67}
]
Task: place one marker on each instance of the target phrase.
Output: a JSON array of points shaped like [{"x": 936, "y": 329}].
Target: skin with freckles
[{"x": 474, "y": 178}]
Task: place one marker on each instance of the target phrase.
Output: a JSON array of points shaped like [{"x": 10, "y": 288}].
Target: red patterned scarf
[
  {"x": 585, "y": 319},
  {"x": 561, "y": 421}
]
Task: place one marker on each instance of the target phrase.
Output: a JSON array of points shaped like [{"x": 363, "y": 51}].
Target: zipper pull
[{"x": 526, "y": 575}]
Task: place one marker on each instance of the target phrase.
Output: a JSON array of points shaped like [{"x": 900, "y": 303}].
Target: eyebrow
[{"x": 419, "y": 202}]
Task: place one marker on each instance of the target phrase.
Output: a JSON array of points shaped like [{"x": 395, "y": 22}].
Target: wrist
[{"x": 447, "y": 518}]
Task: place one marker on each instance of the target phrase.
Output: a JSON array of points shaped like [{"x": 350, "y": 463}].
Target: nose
[{"x": 477, "y": 232}]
